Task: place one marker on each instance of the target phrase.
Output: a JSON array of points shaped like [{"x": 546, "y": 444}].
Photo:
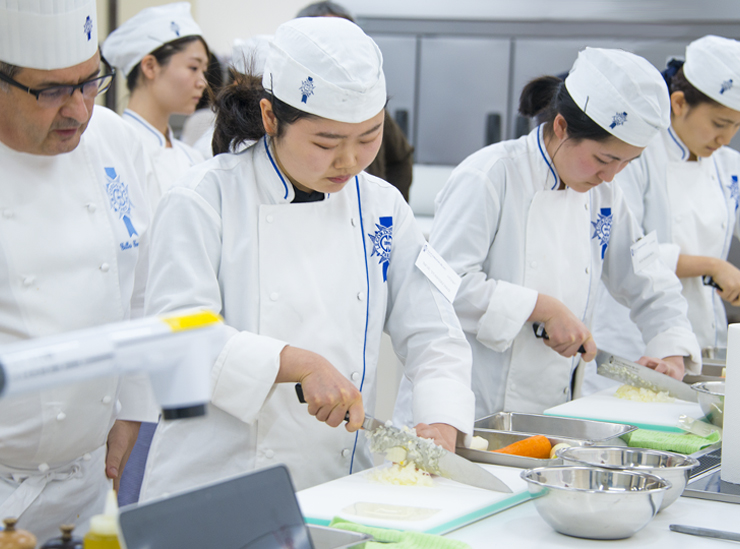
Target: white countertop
[{"x": 522, "y": 527}]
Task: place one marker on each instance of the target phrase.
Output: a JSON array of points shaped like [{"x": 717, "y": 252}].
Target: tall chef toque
[
  {"x": 146, "y": 31},
  {"x": 622, "y": 92},
  {"x": 713, "y": 67},
  {"x": 328, "y": 67},
  {"x": 47, "y": 35}
]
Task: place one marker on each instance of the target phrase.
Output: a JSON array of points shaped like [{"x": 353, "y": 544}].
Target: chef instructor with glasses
[{"x": 73, "y": 227}]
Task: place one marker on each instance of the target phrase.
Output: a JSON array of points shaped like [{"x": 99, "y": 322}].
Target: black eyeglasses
[{"x": 55, "y": 96}]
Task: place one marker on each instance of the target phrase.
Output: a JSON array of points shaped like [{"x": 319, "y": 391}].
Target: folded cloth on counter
[
  {"x": 397, "y": 539},
  {"x": 672, "y": 442}
]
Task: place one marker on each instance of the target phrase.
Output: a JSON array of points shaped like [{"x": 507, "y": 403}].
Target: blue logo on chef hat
[
  {"x": 382, "y": 241},
  {"x": 726, "y": 86},
  {"x": 88, "y": 28},
  {"x": 734, "y": 191},
  {"x": 120, "y": 202},
  {"x": 618, "y": 119},
  {"x": 307, "y": 87},
  {"x": 175, "y": 28},
  {"x": 603, "y": 228}
]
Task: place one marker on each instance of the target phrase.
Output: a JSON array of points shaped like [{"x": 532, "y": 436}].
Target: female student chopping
[
  {"x": 163, "y": 57},
  {"x": 685, "y": 188},
  {"x": 308, "y": 259},
  {"x": 531, "y": 225}
]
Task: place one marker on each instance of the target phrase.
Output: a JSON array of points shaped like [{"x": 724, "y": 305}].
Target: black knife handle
[
  {"x": 299, "y": 392},
  {"x": 540, "y": 332},
  {"x": 709, "y": 281},
  {"x": 302, "y": 400}
]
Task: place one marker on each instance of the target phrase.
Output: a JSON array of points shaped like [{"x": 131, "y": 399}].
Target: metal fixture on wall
[{"x": 112, "y": 93}]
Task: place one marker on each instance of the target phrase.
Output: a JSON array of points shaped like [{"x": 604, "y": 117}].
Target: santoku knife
[
  {"x": 425, "y": 453},
  {"x": 631, "y": 373}
]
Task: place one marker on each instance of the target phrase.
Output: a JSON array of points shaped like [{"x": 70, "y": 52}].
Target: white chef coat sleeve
[
  {"x": 638, "y": 186},
  {"x": 183, "y": 274},
  {"x": 465, "y": 224},
  {"x": 652, "y": 294},
  {"x": 426, "y": 334},
  {"x": 143, "y": 169},
  {"x": 135, "y": 396}
]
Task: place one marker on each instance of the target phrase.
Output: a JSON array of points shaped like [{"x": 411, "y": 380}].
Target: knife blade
[
  {"x": 631, "y": 373},
  {"x": 426, "y": 455}
]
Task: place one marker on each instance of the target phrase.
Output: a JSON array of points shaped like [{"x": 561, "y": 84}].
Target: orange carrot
[{"x": 537, "y": 446}]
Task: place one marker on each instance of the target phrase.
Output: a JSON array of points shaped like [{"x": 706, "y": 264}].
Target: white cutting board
[
  {"x": 604, "y": 406},
  {"x": 435, "y": 509}
]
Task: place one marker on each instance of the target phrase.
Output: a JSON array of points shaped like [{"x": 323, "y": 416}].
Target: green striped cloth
[
  {"x": 397, "y": 539},
  {"x": 672, "y": 442}
]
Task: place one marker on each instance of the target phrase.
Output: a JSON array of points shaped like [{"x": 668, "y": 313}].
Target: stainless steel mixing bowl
[
  {"x": 711, "y": 395},
  {"x": 587, "y": 502},
  {"x": 668, "y": 465}
]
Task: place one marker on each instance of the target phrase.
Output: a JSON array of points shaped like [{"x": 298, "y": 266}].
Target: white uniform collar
[
  {"x": 552, "y": 179},
  {"x": 677, "y": 149},
  {"x": 278, "y": 184},
  {"x": 152, "y": 137}
]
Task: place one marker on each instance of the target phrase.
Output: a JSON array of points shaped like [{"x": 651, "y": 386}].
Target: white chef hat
[
  {"x": 249, "y": 56},
  {"x": 146, "y": 31},
  {"x": 713, "y": 67},
  {"x": 47, "y": 35},
  {"x": 622, "y": 92},
  {"x": 328, "y": 67}
]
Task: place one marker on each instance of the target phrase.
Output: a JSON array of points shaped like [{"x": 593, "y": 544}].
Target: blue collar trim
[
  {"x": 546, "y": 158},
  {"x": 277, "y": 171},
  {"x": 678, "y": 143},
  {"x": 138, "y": 119}
]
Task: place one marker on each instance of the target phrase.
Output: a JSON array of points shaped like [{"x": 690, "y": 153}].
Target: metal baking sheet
[
  {"x": 584, "y": 430},
  {"x": 499, "y": 439}
]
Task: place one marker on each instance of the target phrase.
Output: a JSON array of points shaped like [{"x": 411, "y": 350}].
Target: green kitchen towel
[
  {"x": 671, "y": 442},
  {"x": 397, "y": 539}
]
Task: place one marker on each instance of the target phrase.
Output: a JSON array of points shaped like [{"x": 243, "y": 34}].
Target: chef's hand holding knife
[
  {"x": 330, "y": 396},
  {"x": 563, "y": 331},
  {"x": 725, "y": 277},
  {"x": 574, "y": 334}
]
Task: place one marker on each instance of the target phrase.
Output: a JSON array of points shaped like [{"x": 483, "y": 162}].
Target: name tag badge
[
  {"x": 438, "y": 272},
  {"x": 644, "y": 251}
]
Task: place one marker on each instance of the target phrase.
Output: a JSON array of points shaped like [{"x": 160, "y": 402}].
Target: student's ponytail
[{"x": 546, "y": 97}]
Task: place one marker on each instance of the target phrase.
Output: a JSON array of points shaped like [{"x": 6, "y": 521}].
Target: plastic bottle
[
  {"x": 103, "y": 533},
  {"x": 66, "y": 541},
  {"x": 10, "y": 538}
]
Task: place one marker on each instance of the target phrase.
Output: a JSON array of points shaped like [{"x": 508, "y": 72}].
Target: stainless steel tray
[
  {"x": 499, "y": 439},
  {"x": 710, "y": 371},
  {"x": 584, "y": 430}
]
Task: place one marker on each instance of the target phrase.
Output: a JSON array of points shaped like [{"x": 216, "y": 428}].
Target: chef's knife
[
  {"x": 541, "y": 333},
  {"x": 631, "y": 373},
  {"x": 425, "y": 453},
  {"x": 709, "y": 281}
]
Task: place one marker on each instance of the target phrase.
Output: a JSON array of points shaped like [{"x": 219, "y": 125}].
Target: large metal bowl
[
  {"x": 711, "y": 395},
  {"x": 587, "y": 502},
  {"x": 671, "y": 466}
]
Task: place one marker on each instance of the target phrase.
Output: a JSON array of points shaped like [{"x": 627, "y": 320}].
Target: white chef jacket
[
  {"x": 693, "y": 207},
  {"x": 73, "y": 232},
  {"x": 169, "y": 163},
  {"x": 503, "y": 226},
  {"x": 327, "y": 276}
]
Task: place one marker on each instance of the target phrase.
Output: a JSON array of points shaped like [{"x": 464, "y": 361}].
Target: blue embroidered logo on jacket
[
  {"x": 734, "y": 191},
  {"x": 618, "y": 119},
  {"x": 726, "y": 86},
  {"x": 88, "y": 28},
  {"x": 119, "y": 200},
  {"x": 382, "y": 241},
  {"x": 603, "y": 228}
]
